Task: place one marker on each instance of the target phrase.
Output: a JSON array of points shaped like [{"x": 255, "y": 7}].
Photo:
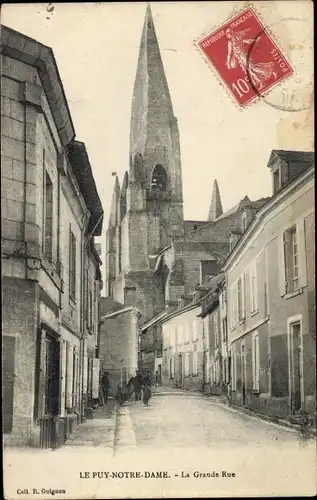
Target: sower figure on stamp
[
  {"x": 105, "y": 386},
  {"x": 238, "y": 55}
]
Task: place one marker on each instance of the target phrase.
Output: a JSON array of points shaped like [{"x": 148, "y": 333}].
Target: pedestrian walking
[
  {"x": 131, "y": 388},
  {"x": 147, "y": 393},
  {"x": 137, "y": 386},
  {"x": 105, "y": 386}
]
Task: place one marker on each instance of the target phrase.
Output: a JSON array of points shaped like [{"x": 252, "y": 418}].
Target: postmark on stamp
[{"x": 245, "y": 57}]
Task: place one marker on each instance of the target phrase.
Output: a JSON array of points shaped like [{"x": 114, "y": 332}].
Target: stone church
[{"x": 153, "y": 256}]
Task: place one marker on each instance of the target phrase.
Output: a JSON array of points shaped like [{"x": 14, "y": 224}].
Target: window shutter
[
  {"x": 190, "y": 363},
  {"x": 42, "y": 375},
  {"x": 63, "y": 376},
  {"x": 257, "y": 380},
  {"x": 246, "y": 291},
  {"x": 243, "y": 282},
  {"x": 301, "y": 245},
  {"x": 69, "y": 375},
  {"x": 281, "y": 264}
]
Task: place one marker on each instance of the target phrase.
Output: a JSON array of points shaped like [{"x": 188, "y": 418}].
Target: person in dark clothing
[
  {"x": 105, "y": 386},
  {"x": 147, "y": 393},
  {"x": 130, "y": 388},
  {"x": 137, "y": 386}
]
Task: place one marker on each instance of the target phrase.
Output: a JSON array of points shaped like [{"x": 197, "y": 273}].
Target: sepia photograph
[{"x": 158, "y": 250}]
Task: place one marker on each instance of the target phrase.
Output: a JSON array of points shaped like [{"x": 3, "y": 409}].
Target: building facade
[
  {"x": 118, "y": 346},
  {"x": 50, "y": 214},
  {"x": 270, "y": 285},
  {"x": 183, "y": 348}
]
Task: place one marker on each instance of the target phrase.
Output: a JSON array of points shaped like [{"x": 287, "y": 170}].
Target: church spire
[
  {"x": 114, "y": 203},
  {"x": 151, "y": 105},
  {"x": 215, "y": 209}
]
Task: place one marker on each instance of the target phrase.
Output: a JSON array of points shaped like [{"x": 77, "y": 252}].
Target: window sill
[
  {"x": 255, "y": 391},
  {"x": 254, "y": 313},
  {"x": 232, "y": 328},
  {"x": 241, "y": 321},
  {"x": 293, "y": 294}
]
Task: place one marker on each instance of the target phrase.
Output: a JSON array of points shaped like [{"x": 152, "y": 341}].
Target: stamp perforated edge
[{"x": 235, "y": 12}]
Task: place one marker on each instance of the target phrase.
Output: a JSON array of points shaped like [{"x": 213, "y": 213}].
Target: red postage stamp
[{"x": 245, "y": 57}]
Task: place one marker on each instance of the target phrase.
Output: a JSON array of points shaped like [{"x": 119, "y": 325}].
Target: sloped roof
[
  {"x": 292, "y": 156},
  {"x": 109, "y": 305},
  {"x": 81, "y": 167}
]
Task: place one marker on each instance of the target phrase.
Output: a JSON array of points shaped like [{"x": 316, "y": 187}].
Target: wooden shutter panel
[
  {"x": 69, "y": 375},
  {"x": 63, "y": 367},
  {"x": 281, "y": 263},
  {"x": 301, "y": 248},
  {"x": 42, "y": 374},
  {"x": 85, "y": 363},
  {"x": 243, "y": 285}
]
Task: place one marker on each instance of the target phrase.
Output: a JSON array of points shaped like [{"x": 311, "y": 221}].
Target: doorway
[
  {"x": 52, "y": 376},
  {"x": 295, "y": 366},
  {"x": 243, "y": 373}
]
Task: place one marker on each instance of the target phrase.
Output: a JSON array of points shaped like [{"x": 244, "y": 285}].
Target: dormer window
[
  {"x": 244, "y": 221},
  {"x": 159, "y": 179},
  {"x": 276, "y": 180},
  {"x": 231, "y": 242}
]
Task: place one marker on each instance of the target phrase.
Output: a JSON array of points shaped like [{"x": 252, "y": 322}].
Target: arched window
[{"x": 159, "y": 179}]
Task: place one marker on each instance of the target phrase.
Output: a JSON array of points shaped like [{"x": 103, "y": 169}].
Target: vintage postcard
[{"x": 158, "y": 249}]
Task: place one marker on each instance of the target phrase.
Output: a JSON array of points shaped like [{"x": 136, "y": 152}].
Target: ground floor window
[
  {"x": 186, "y": 364},
  {"x": 195, "y": 363},
  {"x": 171, "y": 368}
]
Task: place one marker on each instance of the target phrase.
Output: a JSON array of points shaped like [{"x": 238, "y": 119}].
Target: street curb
[
  {"x": 113, "y": 445},
  {"x": 275, "y": 420},
  {"x": 267, "y": 418}
]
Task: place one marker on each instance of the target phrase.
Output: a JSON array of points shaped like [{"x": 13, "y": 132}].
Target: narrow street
[{"x": 191, "y": 420}]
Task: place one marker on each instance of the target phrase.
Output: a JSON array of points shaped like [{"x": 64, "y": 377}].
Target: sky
[{"x": 96, "y": 48}]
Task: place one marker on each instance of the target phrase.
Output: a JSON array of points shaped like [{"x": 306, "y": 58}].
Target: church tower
[{"x": 149, "y": 207}]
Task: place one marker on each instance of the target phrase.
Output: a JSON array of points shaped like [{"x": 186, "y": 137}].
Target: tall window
[
  {"x": 254, "y": 288},
  {"x": 232, "y": 297},
  {"x": 241, "y": 298},
  {"x": 291, "y": 259},
  {"x": 72, "y": 265},
  {"x": 255, "y": 363},
  {"x": 195, "y": 363},
  {"x": 224, "y": 329},
  {"x": 47, "y": 215},
  {"x": 186, "y": 364}
]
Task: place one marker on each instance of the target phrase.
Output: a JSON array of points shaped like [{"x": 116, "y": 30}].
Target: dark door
[
  {"x": 296, "y": 367},
  {"x": 52, "y": 377},
  {"x": 8, "y": 346},
  {"x": 160, "y": 373}
]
